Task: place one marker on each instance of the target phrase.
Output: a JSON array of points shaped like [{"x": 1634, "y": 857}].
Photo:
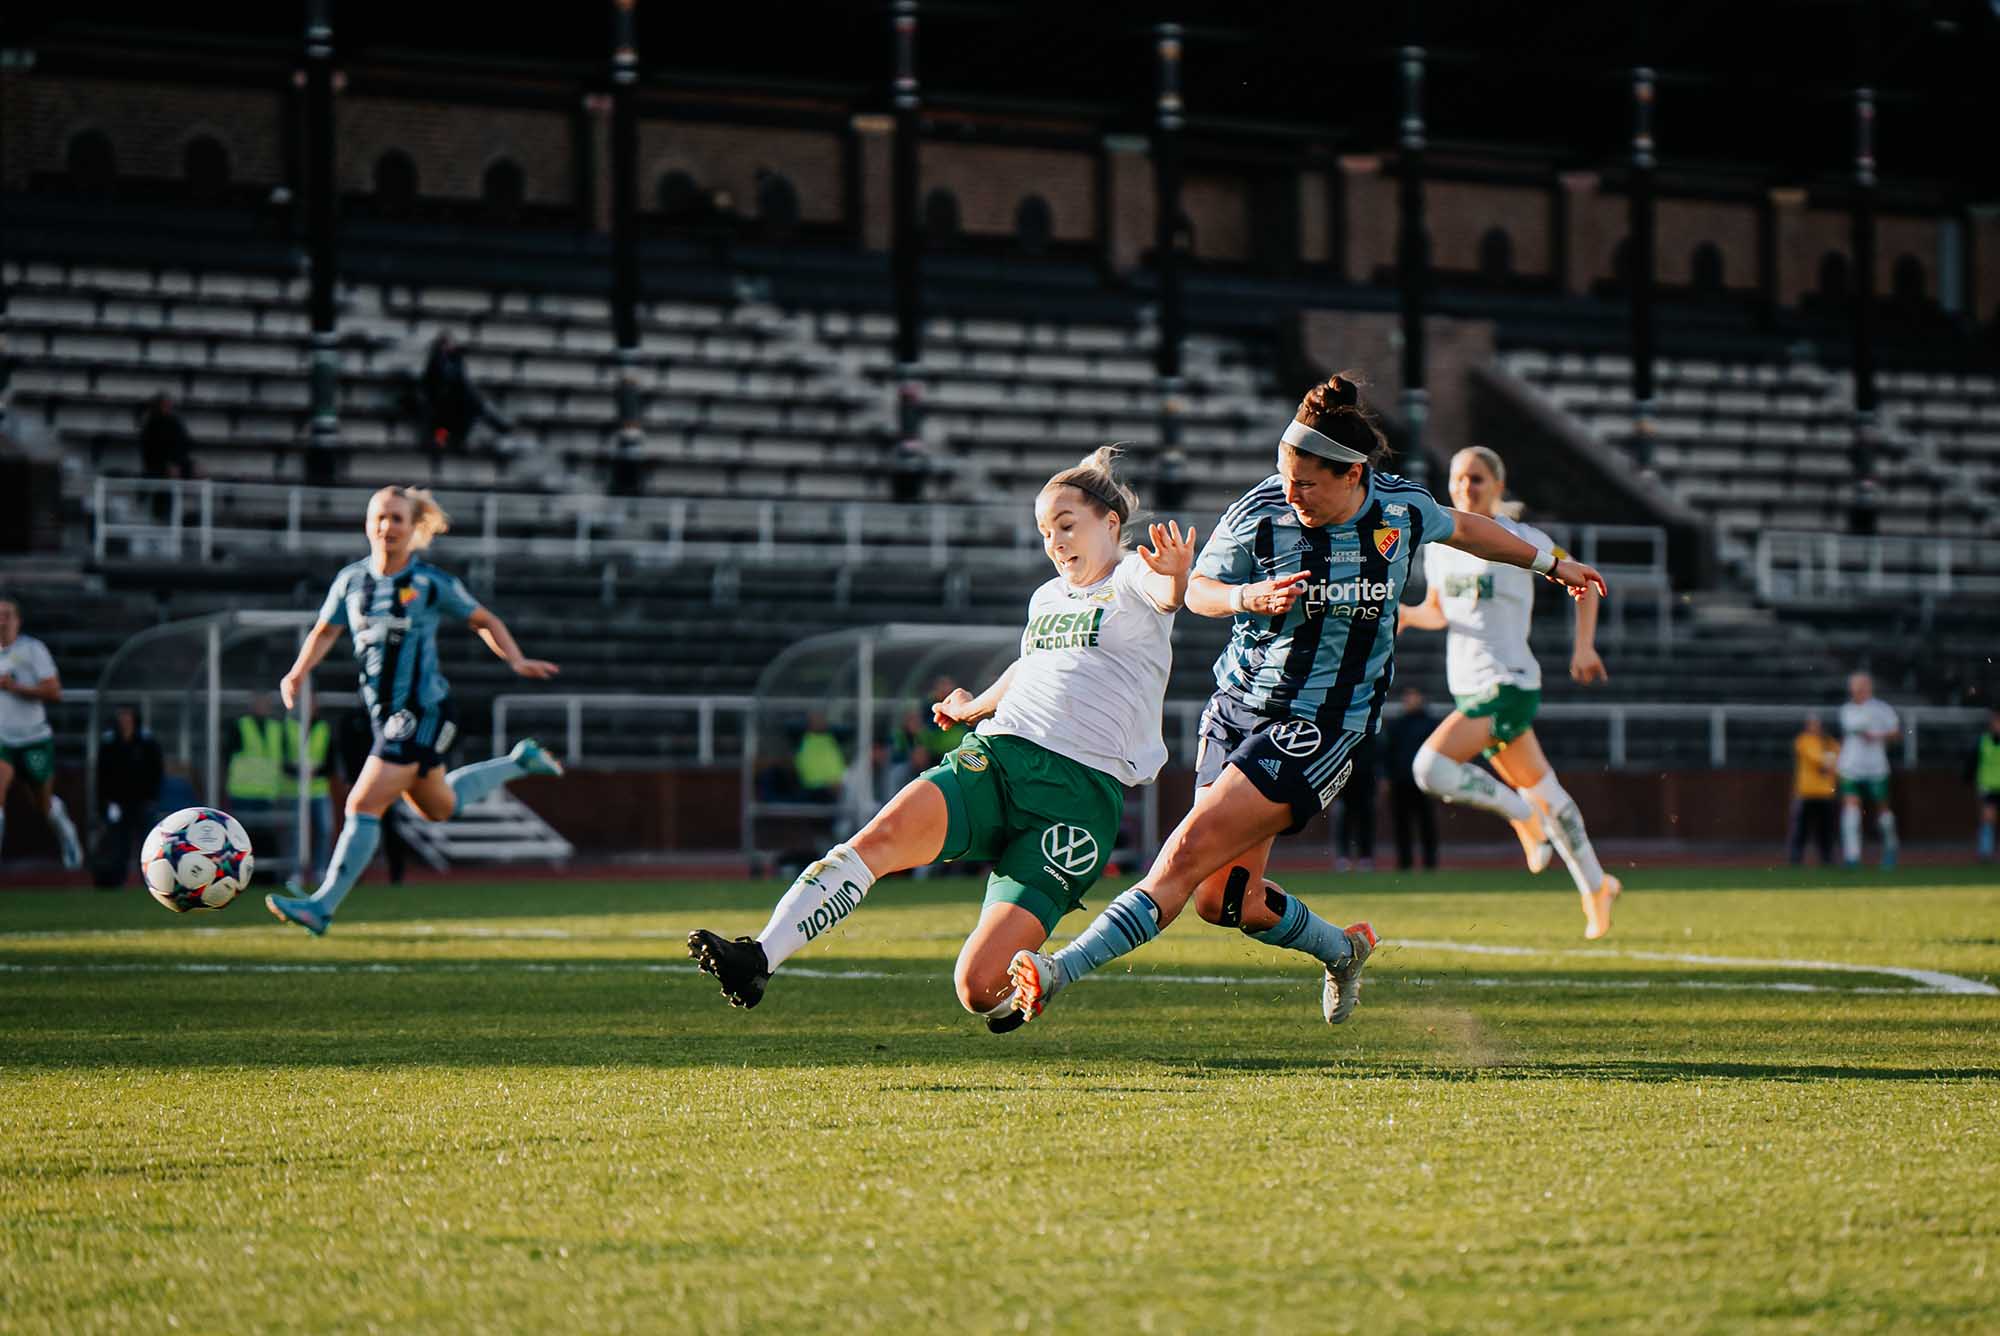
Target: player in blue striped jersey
[
  {"x": 393, "y": 602},
  {"x": 1310, "y": 564}
]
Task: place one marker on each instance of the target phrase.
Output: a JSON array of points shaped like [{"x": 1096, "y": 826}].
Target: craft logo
[
  {"x": 1389, "y": 542},
  {"x": 1072, "y": 850},
  {"x": 1332, "y": 790}
]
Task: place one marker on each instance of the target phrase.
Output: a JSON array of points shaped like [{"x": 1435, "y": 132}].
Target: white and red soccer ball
[{"x": 198, "y": 858}]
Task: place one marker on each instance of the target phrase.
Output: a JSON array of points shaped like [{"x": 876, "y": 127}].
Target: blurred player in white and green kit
[
  {"x": 28, "y": 686},
  {"x": 1867, "y": 725},
  {"x": 1488, "y": 607},
  {"x": 1039, "y": 789}
]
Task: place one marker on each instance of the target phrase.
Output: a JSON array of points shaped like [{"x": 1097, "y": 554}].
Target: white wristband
[
  {"x": 1544, "y": 562},
  {"x": 1236, "y": 593}
]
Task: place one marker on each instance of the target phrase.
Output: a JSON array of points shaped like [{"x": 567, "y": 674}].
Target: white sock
[
  {"x": 1458, "y": 782},
  {"x": 72, "y": 847},
  {"x": 1564, "y": 825},
  {"x": 825, "y": 893},
  {"x": 1885, "y": 821},
  {"x": 1850, "y": 834}
]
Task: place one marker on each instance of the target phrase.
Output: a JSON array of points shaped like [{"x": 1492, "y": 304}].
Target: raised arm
[
  {"x": 1208, "y": 597},
  {"x": 310, "y": 653},
  {"x": 501, "y": 641},
  {"x": 962, "y": 707},
  {"x": 1169, "y": 563},
  {"x": 1584, "y": 663},
  {"x": 1483, "y": 538}
]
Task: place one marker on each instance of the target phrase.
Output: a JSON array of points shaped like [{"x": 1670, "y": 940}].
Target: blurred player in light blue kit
[{"x": 393, "y": 603}]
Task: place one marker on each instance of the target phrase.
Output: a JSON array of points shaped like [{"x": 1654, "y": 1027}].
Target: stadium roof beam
[
  {"x": 625, "y": 240},
  {"x": 1167, "y": 124},
  {"x": 1639, "y": 252},
  {"x": 905, "y": 242},
  {"x": 1862, "y": 517},
  {"x": 322, "y": 240},
  {"x": 1413, "y": 248}
]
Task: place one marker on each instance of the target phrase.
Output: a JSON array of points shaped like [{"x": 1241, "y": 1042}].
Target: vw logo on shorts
[
  {"x": 399, "y": 726},
  {"x": 1071, "y": 848},
  {"x": 1295, "y": 737}
]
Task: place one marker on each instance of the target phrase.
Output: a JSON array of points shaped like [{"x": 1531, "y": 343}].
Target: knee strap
[{"x": 1232, "y": 898}]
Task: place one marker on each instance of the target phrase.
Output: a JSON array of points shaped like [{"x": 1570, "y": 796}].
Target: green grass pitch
[{"x": 516, "y": 1107}]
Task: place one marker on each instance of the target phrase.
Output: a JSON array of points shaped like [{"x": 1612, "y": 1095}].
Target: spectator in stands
[
  {"x": 130, "y": 770},
  {"x": 319, "y": 798},
  {"x": 357, "y": 739},
  {"x": 1354, "y": 823},
  {"x": 1983, "y": 769},
  {"x": 909, "y": 470},
  {"x": 1409, "y": 805},
  {"x": 257, "y": 755},
  {"x": 166, "y": 450},
  {"x": 1813, "y": 759},
  {"x": 819, "y": 763},
  {"x": 452, "y": 404}
]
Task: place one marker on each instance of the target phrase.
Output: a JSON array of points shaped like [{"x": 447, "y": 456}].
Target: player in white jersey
[
  {"x": 1867, "y": 725},
  {"x": 1039, "y": 789},
  {"x": 1496, "y": 684},
  {"x": 28, "y": 686}
]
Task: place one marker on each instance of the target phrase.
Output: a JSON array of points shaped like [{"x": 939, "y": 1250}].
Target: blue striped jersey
[
  {"x": 1332, "y": 656},
  {"x": 394, "y": 621}
]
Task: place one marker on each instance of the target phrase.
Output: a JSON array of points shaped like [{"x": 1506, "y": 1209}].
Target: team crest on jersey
[
  {"x": 1389, "y": 542},
  {"x": 407, "y": 594}
]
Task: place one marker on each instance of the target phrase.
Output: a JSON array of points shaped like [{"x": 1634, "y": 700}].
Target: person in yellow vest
[
  {"x": 319, "y": 798},
  {"x": 819, "y": 762},
  {"x": 257, "y": 757},
  {"x": 1986, "y": 779},
  {"x": 1813, "y": 783}
]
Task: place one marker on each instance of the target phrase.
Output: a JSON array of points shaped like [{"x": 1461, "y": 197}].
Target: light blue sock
[
  {"x": 1302, "y": 930},
  {"x": 351, "y": 855},
  {"x": 475, "y": 781},
  {"x": 1127, "y": 923},
  {"x": 1986, "y": 841}
]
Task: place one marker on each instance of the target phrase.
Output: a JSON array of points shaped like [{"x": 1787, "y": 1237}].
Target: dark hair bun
[{"x": 1342, "y": 392}]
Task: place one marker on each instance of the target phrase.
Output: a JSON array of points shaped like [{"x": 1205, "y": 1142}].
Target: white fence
[
  {"x": 1822, "y": 566},
  {"x": 1705, "y": 731}
]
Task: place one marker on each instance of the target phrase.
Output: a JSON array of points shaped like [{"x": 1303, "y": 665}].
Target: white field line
[
  {"x": 1933, "y": 980},
  {"x": 809, "y": 972}
]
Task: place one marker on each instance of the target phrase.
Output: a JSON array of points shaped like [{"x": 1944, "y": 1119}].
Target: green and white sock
[{"x": 822, "y": 897}]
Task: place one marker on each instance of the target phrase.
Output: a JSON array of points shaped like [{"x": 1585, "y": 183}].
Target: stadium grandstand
[{"x": 777, "y": 334}]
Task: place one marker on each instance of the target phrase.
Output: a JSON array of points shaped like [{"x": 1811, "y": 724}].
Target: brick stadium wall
[
  {"x": 452, "y": 146},
  {"x": 150, "y": 126},
  {"x": 1460, "y": 214},
  {"x": 990, "y": 183},
  {"x": 1371, "y": 342},
  {"x": 1683, "y": 225},
  {"x": 729, "y": 157}
]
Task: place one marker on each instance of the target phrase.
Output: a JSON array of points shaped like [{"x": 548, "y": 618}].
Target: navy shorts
[
  {"x": 418, "y": 737},
  {"x": 1292, "y": 761}
]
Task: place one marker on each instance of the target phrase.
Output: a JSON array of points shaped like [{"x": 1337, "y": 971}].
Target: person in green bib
[
  {"x": 1038, "y": 789},
  {"x": 256, "y": 768},
  {"x": 1487, "y": 608},
  {"x": 319, "y": 797},
  {"x": 1986, "y": 779}
]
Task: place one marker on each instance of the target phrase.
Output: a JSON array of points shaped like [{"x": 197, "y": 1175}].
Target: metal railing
[
  {"x": 1703, "y": 733},
  {"x": 1816, "y": 566},
  {"x": 201, "y": 515}
]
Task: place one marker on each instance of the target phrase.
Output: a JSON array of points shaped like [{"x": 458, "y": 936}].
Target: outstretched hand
[
  {"x": 1172, "y": 553},
  {"x": 1274, "y": 598},
  {"x": 539, "y": 669},
  {"x": 1578, "y": 578}
]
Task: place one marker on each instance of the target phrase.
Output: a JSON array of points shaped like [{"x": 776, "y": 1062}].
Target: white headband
[{"x": 1318, "y": 443}]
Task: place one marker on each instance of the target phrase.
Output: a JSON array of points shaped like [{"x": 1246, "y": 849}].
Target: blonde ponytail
[
  {"x": 427, "y": 517},
  {"x": 1095, "y": 477},
  {"x": 1490, "y": 457}
]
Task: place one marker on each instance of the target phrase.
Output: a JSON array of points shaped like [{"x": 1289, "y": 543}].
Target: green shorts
[
  {"x": 1512, "y": 710},
  {"x": 35, "y": 760},
  {"x": 1047, "y": 823},
  {"x": 1870, "y": 790}
]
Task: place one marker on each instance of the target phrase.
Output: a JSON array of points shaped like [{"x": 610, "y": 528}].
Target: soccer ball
[{"x": 198, "y": 858}]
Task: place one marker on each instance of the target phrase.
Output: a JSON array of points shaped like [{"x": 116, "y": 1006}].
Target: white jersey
[
  {"x": 1092, "y": 678},
  {"x": 28, "y": 662},
  {"x": 1488, "y": 608},
  {"x": 1862, "y": 757}
]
